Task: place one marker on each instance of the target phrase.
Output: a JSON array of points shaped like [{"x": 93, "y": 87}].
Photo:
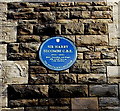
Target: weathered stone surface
[
  {"x": 59, "y": 108},
  {"x": 80, "y": 56},
  {"x": 108, "y": 102},
  {"x": 43, "y": 78},
  {"x": 23, "y": 102},
  {"x": 91, "y": 40},
  {"x": 29, "y": 47},
  {"x": 113, "y": 71},
  {"x": 86, "y": 48},
  {"x": 109, "y": 55},
  {"x": 101, "y": 14},
  {"x": 65, "y": 4},
  {"x": 104, "y": 90},
  {"x": 23, "y": 15},
  {"x": 98, "y": 69},
  {"x": 13, "y": 47},
  {"x": 76, "y": 15},
  {"x": 88, "y": 104},
  {"x": 99, "y": 8},
  {"x": 48, "y": 29},
  {"x": 59, "y": 101},
  {"x": 96, "y": 28},
  {"x": 8, "y": 34},
  {"x": 43, "y": 108},
  {"x": 83, "y": 3},
  {"x": 105, "y": 48},
  {"x": 104, "y": 62},
  {"x": 35, "y": 63},
  {"x": 68, "y": 91},
  {"x": 3, "y": 51},
  {"x": 28, "y": 38},
  {"x": 46, "y": 17},
  {"x": 41, "y": 8},
  {"x": 99, "y": 3},
  {"x": 27, "y": 91},
  {"x": 64, "y": 71},
  {"x": 68, "y": 78},
  {"x": 71, "y": 37},
  {"x": 110, "y": 109},
  {"x": 92, "y": 78},
  {"x": 21, "y": 56},
  {"x": 62, "y": 15},
  {"x": 72, "y": 28},
  {"x": 81, "y": 66},
  {"x": 43, "y": 102},
  {"x": 25, "y": 29},
  {"x": 13, "y": 109},
  {"x": 92, "y": 55},
  {"x": 14, "y": 72},
  {"x": 37, "y": 69}
]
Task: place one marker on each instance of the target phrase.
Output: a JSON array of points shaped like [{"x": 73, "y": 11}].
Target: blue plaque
[{"x": 58, "y": 53}]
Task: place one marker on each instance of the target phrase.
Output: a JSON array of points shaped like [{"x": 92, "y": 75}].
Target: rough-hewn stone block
[
  {"x": 102, "y": 14},
  {"x": 104, "y": 90},
  {"x": 27, "y": 91},
  {"x": 68, "y": 91},
  {"x": 68, "y": 78},
  {"x": 13, "y": 109},
  {"x": 92, "y": 78},
  {"x": 62, "y": 15},
  {"x": 28, "y": 38},
  {"x": 98, "y": 69},
  {"x": 85, "y": 49},
  {"x": 13, "y": 47},
  {"x": 109, "y": 55},
  {"x": 82, "y": 104},
  {"x": 81, "y": 66},
  {"x": 38, "y": 108},
  {"x": 73, "y": 28},
  {"x": 91, "y": 40},
  {"x": 3, "y": 51},
  {"x": 108, "y": 102},
  {"x": 14, "y": 72},
  {"x": 8, "y": 34},
  {"x": 105, "y": 48},
  {"x": 37, "y": 69},
  {"x": 92, "y": 55},
  {"x": 43, "y": 78}
]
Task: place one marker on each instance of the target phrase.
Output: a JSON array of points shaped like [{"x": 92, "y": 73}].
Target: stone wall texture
[{"x": 91, "y": 84}]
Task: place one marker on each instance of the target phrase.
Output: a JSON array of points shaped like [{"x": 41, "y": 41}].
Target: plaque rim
[{"x": 71, "y": 42}]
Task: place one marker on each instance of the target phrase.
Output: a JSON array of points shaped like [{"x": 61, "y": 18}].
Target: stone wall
[{"x": 91, "y": 84}]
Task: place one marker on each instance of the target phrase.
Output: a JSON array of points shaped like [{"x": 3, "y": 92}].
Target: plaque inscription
[{"x": 58, "y": 53}]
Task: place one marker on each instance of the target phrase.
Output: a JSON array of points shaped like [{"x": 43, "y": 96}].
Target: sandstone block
[
  {"x": 98, "y": 69},
  {"x": 104, "y": 62},
  {"x": 13, "y": 47},
  {"x": 81, "y": 66},
  {"x": 92, "y": 78},
  {"x": 108, "y": 101},
  {"x": 82, "y": 3},
  {"x": 43, "y": 78},
  {"x": 62, "y": 15},
  {"x": 25, "y": 29},
  {"x": 104, "y": 90},
  {"x": 76, "y": 15},
  {"x": 68, "y": 78},
  {"x": 83, "y": 104},
  {"x": 37, "y": 69},
  {"x": 28, "y": 38},
  {"x": 86, "y": 48},
  {"x": 13, "y": 109},
  {"x": 3, "y": 51},
  {"x": 27, "y": 91},
  {"x": 23, "y": 103},
  {"x": 21, "y": 56},
  {"x": 109, "y": 55},
  {"x": 38, "y": 108},
  {"x": 68, "y": 91},
  {"x": 80, "y": 56},
  {"x": 96, "y": 28},
  {"x": 73, "y": 28},
  {"x": 14, "y": 72},
  {"x": 92, "y": 55},
  {"x": 99, "y": 8},
  {"x": 91, "y": 40},
  {"x": 41, "y": 8},
  {"x": 48, "y": 29},
  {"x": 29, "y": 47},
  {"x": 8, "y": 34},
  {"x": 59, "y": 101},
  {"x": 105, "y": 48},
  {"x": 102, "y": 14},
  {"x": 60, "y": 108},
  {"x": 46, "y": 17}
]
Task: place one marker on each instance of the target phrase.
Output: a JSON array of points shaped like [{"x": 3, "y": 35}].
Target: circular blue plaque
[{"x": 58, "y": 53}]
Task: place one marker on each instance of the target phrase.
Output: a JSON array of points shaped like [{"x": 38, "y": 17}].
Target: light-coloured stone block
[
  {"x": 14, "y": 72},
  {"x": 3, "y": 51},
  {"x": 9, "y": 34},
  {"x": 113, "y": 71}
]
